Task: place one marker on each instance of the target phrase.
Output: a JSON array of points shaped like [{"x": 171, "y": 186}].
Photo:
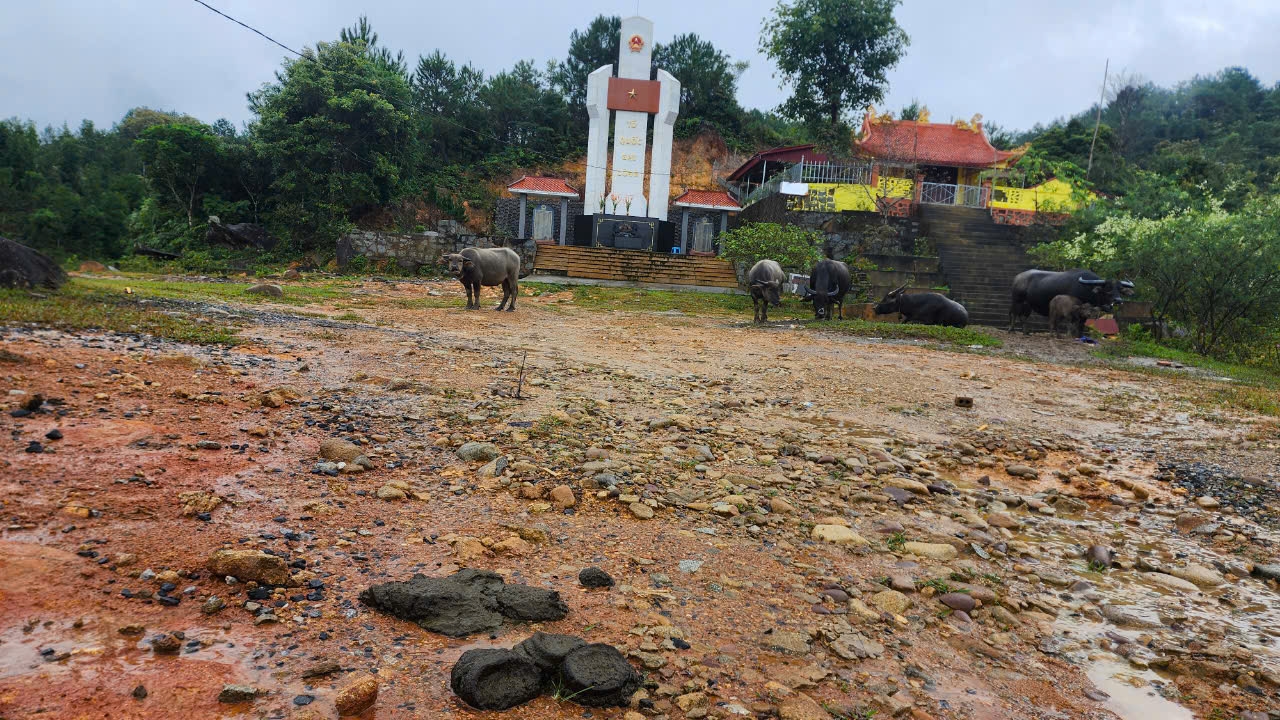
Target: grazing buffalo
[
  {"x": 1066, "y": 311},
  {"x": 1033, "y": 290},
  {"x": 766, "y": 280},
  {"x": 924, "y": 308},
  {"x": 476, "y": 267},
  {"x": 828, "y": 284}
]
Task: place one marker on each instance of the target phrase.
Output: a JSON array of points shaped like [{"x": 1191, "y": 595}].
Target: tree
[
  {"x": 336, "y": 130},
  {"x": 588, "y": 50},
  {"x": 362, "y": 35},
  {"x": 446, "y": 99},
  {"x": 179, "y": 158},
  {"x": 708, "y": 81},
  {"x": 910, "y": 112},
  {"x": 834, "y": 55}
]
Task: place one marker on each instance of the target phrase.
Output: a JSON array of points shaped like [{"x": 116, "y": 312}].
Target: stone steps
[{"x": 979, "y": 260}]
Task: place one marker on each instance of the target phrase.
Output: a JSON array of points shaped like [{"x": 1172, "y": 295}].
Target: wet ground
[{"x": 738, "y": 440}]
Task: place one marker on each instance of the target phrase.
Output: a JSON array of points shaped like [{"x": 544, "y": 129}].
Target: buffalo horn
[
  {"x": 833, "y": 293},
  {"x": 1126, "y": 283},
  {"x": 1090, "y": 282}
]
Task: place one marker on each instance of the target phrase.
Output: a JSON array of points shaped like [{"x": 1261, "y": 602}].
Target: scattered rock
[
  {"x": 594, "y": 577},
  {"x": 166, "y": 643},
  {"x": 1198, "y": 574},
  {"x": 935, "y": 551},
  {"x": 274, "y": 291},
  {"x": 959, "y": 601},
  {"x": 237, "y": 693},
  {"x": 856, "y": 646},
  {"x": 562, "y": 497},
  {"x": 838, "y": 535},
  {"x": 1099, "y": 556},
  {"x": 640, "y": 510},
  {"x": 891, "y": 601},
  {"x": 792, "y": 643},
  {"x": 247, "y": 565},
  {"x": 391, "y": 492},
  {"x": 478, "y": 452},
  {"x": 357, "y": 696}
]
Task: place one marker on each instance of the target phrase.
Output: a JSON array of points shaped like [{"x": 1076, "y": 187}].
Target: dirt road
[{"x": 708, "y": 462}]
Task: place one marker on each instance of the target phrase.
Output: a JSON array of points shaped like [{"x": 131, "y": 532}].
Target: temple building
[{"x": 897, "y": 165}]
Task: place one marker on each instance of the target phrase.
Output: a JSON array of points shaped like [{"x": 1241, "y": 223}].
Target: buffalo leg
[
  {"x": 503, "y": 305},
  {"x": 475, "y": 288},
  {"x": 467, "y": 286},
  {"x": 515, "y": 292}
]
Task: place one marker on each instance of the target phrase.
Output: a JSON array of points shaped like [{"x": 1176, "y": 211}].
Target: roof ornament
[
  {"x": 923, "y": 116},
  {"x": 975, "y": 122},
  {"x": 871, "y": 114}
]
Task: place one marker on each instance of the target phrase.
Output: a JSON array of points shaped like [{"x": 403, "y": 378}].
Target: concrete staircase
[{"x": 979, "y": 260}]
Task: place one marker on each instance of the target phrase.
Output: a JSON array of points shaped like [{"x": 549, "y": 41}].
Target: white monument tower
[{"x": 633, "y": 97}]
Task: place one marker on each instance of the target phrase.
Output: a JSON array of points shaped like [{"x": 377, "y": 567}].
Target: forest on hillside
[{"x": 353, "y": 133}]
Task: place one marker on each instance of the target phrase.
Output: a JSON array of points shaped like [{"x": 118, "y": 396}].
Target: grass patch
[
  {"x": 1251, "y": 389},
  {"x": 1147, "y": 348},
  {"x": 897, "y": 542},
  {"x": 905, "y": 331},
  {"x": 79, "y": 306},
  {"x": 316, "y": 292},
  {"x": 350, "y": 317}
]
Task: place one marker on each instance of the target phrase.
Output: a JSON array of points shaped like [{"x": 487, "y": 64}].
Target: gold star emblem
[{"x": 631, "y": 94}]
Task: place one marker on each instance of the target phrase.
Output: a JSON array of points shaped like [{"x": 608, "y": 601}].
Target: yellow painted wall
[
  {"x": 835, "y": 197},
  {"x": 1051, "y": 196}
]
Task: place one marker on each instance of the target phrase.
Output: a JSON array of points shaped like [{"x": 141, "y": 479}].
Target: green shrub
[{"x": 793, "y": 247}]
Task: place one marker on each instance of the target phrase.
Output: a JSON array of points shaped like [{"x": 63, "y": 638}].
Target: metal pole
[{"x": 1098, "y": 121}]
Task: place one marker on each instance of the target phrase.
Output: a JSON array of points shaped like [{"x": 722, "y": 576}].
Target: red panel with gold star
[{"x": 637, "y": 95}]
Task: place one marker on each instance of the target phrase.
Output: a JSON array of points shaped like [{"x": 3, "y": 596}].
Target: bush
[
  {"x": 791, "y": 246},
  {"x": 1215, "y": 272}
]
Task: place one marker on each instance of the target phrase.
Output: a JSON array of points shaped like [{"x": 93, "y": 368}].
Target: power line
[{"x": 251, "y": 29}]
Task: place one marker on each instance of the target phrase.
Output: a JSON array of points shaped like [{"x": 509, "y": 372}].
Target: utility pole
[{"x": 1098, "y": 121}]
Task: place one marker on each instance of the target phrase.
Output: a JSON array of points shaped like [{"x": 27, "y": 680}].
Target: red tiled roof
[
  {"x": 708, "y": 198},
  {"x": 791, "y": 154},
  {"x": 542, "y": 186},
  {"x": 929, "y": 143}
]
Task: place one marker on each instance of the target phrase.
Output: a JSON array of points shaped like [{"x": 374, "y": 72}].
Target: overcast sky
[{"x": 1017, "y": 63}]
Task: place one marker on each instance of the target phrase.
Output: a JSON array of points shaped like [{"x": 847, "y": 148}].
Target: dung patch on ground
[{"x": 467, "y": 602}]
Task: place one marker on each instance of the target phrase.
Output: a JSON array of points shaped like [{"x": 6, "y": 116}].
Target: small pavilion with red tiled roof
[
  {"x": 702, "y": 206},
  {"x": 541, "y": 227}
]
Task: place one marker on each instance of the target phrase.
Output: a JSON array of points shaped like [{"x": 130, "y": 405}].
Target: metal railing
[
  {"x": 859, "y": 174},
  {"x": 947, "y": 194}
]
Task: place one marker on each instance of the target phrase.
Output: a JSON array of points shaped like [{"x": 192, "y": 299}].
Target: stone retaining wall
[{"x": 412, "y": 251}]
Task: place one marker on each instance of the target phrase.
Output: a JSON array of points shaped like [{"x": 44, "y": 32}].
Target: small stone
[
  {"x": 793, "y": 643},
  {"x": 935, "y": 551},
  {"x": 958, "y": 601},
  {"x": 213, "y": 605},
  {"x": 357, "y": 696},
  {"x": 237, "y": 693},
  {"x": 837, "y": 535},
  {"x": 391, "y": 492},
  {"x": 562, "y": 497},
  {"x": 140, "y": 692},
  {"x": 209, "y": 445},
  {"x": 266, "y": 290},
  {"x": 166, "y": 643},
  {"x": 1208, "y": 502},
  {"x": 640, "y": 510},
  {"x": 249, "y": 565},
  {"x": 478, "y": 452},
  {"x": 891, "y": 601},
  {"x": 594, "y": 577}
]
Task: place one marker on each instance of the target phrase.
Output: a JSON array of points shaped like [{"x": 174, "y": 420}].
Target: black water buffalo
[
  {"x": 828, "y": 284},
  {"x": 1066, "y": 311},
  {"x": 765, "y": 279},
  {"x": 1033, "y": 290},
  {"x": 924, "y": 308},
  {"x": 476, "y": 267}
]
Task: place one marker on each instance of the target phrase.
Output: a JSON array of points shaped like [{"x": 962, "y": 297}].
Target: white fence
[{"x": 948, "y": 194}]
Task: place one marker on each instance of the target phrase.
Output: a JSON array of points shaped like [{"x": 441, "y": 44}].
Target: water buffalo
[
  {"x": 1033, "y": 290},
  {"x": 765, "y": 279},
  {"x": 924, "y": 308},
  {"x": 1066, "y": 311},
  {"x": 828, "y": 284},
  {"x": 476, "y": 267}
]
